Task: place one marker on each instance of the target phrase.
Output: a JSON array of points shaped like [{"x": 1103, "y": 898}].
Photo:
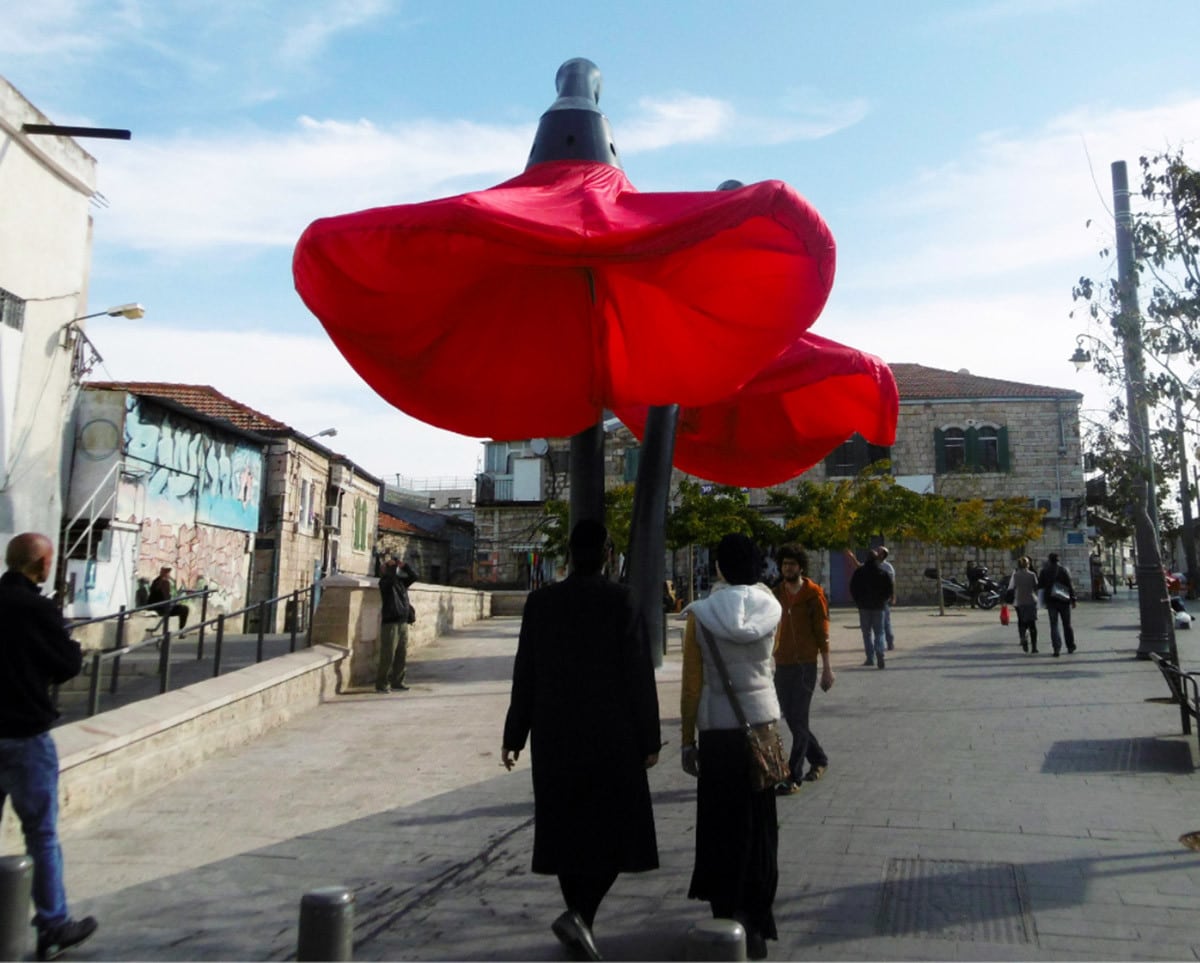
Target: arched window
[
  {"x": 987, "y": 448},
  {"x": 976, "y": 448},
  {"x": 954, "y": 445}
]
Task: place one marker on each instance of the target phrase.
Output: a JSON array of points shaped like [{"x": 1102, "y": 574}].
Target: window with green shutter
[{"x": 982, "y": 448}]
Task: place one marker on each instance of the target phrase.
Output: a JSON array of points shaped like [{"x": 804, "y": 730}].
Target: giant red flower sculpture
[
  {"x": 527, "y": 308},
  {"x": 787, "y": 418}
]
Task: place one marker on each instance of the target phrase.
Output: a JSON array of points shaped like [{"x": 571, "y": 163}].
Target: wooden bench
[{"x": 1185, "y": 692}]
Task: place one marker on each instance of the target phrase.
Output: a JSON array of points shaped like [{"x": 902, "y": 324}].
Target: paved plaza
[{"x": 980, "y": 804}]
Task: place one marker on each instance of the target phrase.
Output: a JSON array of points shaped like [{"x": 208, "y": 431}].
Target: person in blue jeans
[
  {"x": 872, "y": 589},
  {"x": 35, "y": 653},
  {"x": 1055, "y": 574}
]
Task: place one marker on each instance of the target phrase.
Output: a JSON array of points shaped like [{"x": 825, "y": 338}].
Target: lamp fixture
[
  {"x": 73, "y": 334},
  {"x": 324, "y": 433},
  {"x": 1082, "y": 357}
]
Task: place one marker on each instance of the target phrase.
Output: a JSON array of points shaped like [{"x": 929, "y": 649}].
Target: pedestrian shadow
[
  {"x": 960, "y": 901},
  {"x": 466, "y": 668},
  {"x": 1135, "y": 755}
]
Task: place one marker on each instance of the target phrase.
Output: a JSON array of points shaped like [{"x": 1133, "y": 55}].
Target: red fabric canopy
[
  {"x": 525, "y": 309},
  {"x": 787, "y": 418}
]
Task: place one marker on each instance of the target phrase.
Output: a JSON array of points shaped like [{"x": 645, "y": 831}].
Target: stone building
[
  {"x": 316, "y": 511},
  {"x": 439, "y": 546},
  {"x": 958, "y": 434}
]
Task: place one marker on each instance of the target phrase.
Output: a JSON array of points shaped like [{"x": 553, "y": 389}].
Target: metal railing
[{"x": 298, "y": 611}]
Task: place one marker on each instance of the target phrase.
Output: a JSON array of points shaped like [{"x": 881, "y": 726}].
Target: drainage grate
[{"x": 951, "y": 900}]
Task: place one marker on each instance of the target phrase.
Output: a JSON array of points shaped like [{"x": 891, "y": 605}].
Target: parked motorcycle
[
  {"x": 984, "y": 591},
  {"x": 953, "y": 591},
  {"x": 978, "y": 592}
]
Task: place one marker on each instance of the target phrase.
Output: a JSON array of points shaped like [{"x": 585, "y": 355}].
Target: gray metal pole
[
  {"x": 326, "y": 924},
  {"x": 648, "y": 524},
  {"x": 16, "y": 882},
  {"x": 1185, "y": 498},
  {"x": 1157, "y": 627}
]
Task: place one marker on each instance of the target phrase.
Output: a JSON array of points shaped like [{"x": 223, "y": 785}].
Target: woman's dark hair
[
  {"x": 588, "y": 546},
  {"x": 738, "y": 558}
]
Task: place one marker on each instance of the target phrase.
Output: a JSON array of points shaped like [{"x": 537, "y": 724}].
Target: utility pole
[
  {"x": 1185, "y": 495},
  {"x": 1157, "y": 627}
]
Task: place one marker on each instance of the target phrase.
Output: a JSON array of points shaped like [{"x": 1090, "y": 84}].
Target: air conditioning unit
[
  {"x": 333, "y": 517},
  {"x": 1050, "y": 504}
]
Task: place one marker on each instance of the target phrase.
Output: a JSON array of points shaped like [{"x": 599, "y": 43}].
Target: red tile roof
[
  {"x": 202, "y": 398},
  {"x": 919, "y": 383},
  {"x": 389, "y": 524}
]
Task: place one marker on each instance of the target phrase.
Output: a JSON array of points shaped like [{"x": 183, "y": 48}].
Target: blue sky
[{"x": 957, "y": 149}]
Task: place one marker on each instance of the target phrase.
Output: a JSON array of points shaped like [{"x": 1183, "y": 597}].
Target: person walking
[
  {"x": 882, "y": 554},
  {"x": 871, "y": 588},
  {"x": 1055, "y": 582},
  {"x": 35, "y": 653},
  {"x": 736, "y": 866},
  {"x": 1024, "y": 585},
  {"x": 397, "y": 615},
  {"x": 583, "y": 693},
  {"x": 802, "y": 637}
]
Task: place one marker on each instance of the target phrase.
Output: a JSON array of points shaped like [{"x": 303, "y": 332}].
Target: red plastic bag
[{"x": 1004, "y": 615}]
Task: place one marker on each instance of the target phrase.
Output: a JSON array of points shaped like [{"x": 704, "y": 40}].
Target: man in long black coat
[{"x": 583, "y": 684}]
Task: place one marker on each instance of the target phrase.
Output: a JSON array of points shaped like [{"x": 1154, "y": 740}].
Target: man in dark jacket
[
  {"x": 397, "y": 615},
  {"x": 162, "y": 592},
  {"x": 872, "y": 588},
  {"x": 35, "y": 653},
  {"x": 583, "y": 685},
  {"x": 1053, "y": 574}
]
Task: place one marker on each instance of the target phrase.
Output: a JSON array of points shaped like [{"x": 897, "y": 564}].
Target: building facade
[
  {"x": 958, "y": 434},
  {"x": 46, "y": 185}
]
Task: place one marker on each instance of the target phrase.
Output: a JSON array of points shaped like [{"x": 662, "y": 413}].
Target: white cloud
[
  {"x": 298, "y": 379},
  {"x": 308, "y": 38},
  {"x": 1017, "y": 203}
]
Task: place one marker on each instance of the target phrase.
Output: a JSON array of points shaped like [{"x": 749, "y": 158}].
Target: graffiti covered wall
[
  {"x": 187, "y": 473},
  {"x": 196, "y": 492}
]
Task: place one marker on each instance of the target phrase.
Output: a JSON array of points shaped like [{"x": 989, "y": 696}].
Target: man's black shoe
[
  {"x": 869, "y": 662},
  {"x": 881, "y": 661},
  {"x": 1070, "y": 650},
  {"x": 55, "y": 942},
  {"x": 383, "y": 689},
  {"x": 573, "y": 932},
  {"x": 400, "y": 687}
]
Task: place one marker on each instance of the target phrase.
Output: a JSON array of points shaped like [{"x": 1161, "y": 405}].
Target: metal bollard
[
  {"x": 326, "y": 924},
  {"x": 716, "y": 940},
  {"x": 16, "y": 881}
]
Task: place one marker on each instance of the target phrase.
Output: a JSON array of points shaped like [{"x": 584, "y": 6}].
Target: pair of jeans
[
  {"x": 393, "y": 655},
  {"x": 871, "y": 622},
  {"x": 794, "y": 685},
  {"x": 887, "y": 626},
  {"x": 29, "y": 776},
  {"x": 1056, "y": 611}
]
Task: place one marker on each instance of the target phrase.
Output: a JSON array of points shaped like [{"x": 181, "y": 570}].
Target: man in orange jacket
[{"x": 802, "y": 636}]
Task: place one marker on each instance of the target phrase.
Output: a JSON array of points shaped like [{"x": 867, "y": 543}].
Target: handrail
[
  {"x": 164, "y": 641},
  {"x": 89, "y": 505}
]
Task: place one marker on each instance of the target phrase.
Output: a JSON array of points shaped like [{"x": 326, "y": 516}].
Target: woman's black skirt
[{"x": 737, "y": 835}]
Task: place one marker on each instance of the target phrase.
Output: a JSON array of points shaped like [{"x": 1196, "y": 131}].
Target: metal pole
[
  {"x": 218, "y": 645},
  {"x": 94, "y": 685},
  {"x": 648, "y": 525},
  {"x": 262, "y": 626},
  {"x": 295, "y": 619},
  {"x": 326, "y": 925},
  {"x": 164, "y": 658},
  {"x": 200, "y": 627},
  {"x": 16, "y": 882},
  {"x": 1157, "y": 626},
  {"x": 1185, "y": 498}
]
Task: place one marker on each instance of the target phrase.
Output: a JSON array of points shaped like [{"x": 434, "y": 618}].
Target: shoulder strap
[{"x": 724, "y": 673}]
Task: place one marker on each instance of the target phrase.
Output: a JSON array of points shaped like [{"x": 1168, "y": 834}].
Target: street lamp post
[{"x": 1157, "y": 627}]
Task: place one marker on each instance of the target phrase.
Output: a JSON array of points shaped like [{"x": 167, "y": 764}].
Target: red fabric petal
[
  {"x": 787, "y": 418},
  {"x": 525, "y": 309}
]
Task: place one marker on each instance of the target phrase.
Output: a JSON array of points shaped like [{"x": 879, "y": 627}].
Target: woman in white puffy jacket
[{"x": 737, "y": 835}]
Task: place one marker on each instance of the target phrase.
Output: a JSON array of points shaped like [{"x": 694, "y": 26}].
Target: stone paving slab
[{"x": 1018, "y": 807}]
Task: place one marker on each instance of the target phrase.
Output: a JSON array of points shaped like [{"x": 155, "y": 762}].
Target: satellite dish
[{"x": 539, "y": 446}]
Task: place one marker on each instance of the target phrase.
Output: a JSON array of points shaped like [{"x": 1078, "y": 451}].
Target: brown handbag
[{"x": 768, "y": 766}]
